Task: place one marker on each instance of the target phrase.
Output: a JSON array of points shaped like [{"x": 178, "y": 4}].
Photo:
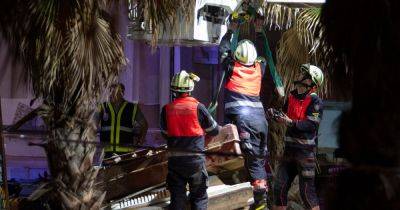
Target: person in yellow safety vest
[{"x": 122, "y": 123}]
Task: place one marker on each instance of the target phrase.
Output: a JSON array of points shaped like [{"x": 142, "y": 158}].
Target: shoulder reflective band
[
  {"x": 112, "y": 113},
  {"x": 134, "y": 113},
  {"x": 118, "y": 127}
]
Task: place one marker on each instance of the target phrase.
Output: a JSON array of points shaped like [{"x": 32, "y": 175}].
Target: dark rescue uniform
[
  {"x": 184, "y": 123},
  {"x": 300, "y": 142},
  {"x": 244, "y": 109}
]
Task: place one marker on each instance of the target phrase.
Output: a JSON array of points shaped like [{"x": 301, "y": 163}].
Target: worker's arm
[
  {"x": 140, "y": 126},
  {"x": 225, "y": 51},
  {"x": 163, "y": 123},
  {"x": 225, "y": 45},
  {"x": 314, "y": 116},
  {"x": 207, "y": 122}
]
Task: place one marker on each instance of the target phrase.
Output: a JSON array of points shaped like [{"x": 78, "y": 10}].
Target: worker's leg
[
  {"x": 260, "y": 189},
  {"x": 253, "y": 130},
  {"x": 286, "y": 171},
  {"x": 177, "y": 187},
  {"x": 198, "y": 184},
  {"x": 306, "y": 168}
]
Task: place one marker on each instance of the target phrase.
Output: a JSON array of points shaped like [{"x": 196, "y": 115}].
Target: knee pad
[
  {"x": 245, "y": 143},
  {"x": 260, "y": 185}
]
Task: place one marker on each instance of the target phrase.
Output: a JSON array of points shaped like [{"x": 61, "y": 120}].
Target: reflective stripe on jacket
[
  {"x": 117, "y": 128},
  {"x": 245, "y": 79}
]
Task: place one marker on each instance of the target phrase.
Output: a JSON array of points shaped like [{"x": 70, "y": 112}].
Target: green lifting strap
[
  {"x": 270, "y": 61},
  {"x": 234, "y": 40}
]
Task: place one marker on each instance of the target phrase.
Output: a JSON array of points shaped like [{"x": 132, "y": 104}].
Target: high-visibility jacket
[
  {"x": 182, "y": 119},
  {"x": 117, "y": 128},
  {"x": 297, "y": 108},
  {"x": 306, "y": 113},
  {"x": 184, "y": 123},
  {"x": 245, "y": 79}
]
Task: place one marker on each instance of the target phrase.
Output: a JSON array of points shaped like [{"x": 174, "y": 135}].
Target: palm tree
[
  {"x": 71, "y": 54},
  {"x": 365, "y": 36}
]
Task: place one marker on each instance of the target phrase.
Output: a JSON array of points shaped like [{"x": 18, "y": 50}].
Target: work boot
[
  {"x": 260, "y": 207},
  {"x": 260, "y": 195},
  {"x": 260, "y": 200}
]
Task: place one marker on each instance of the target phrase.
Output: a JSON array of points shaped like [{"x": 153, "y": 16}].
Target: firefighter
[
  {"x": 245, "y": 70},
  {"x": 184, "y": 122},
  {"x": 122, "y": 123},
  {"x": 303, "y": 113}
]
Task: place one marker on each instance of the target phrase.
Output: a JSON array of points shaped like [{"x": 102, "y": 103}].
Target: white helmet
[
  {"x": 317, "y": 76},
  {"x": 245, "y": 52},
  {"x": 183, "y": 82}
]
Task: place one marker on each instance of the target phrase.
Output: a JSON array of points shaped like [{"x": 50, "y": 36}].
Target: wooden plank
[
  {"x": 123, "y": 178},
  {"x": 233, "y": 197},
  {"x": 226, "y": 141}
]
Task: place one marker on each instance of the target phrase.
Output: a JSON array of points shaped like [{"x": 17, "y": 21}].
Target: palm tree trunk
[{"x": 70, "y": 157}]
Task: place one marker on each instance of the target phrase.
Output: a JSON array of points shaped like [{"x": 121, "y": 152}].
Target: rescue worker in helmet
[
  {"x": 184, "y": 123},
  {"x": 303, "y": 114},
  {"x": 122, "y": 123},
  {"x": 245, "y": 71}
]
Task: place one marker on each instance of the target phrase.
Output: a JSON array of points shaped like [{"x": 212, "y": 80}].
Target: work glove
[
  {"x": 261, "y": 59},
  {"x": 284, "y": 119},
  {"x": 270, "y": 113}
]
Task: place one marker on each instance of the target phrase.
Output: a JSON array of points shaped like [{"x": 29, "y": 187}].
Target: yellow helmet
[
  {"x": 245, "y": 52},
  {"x": 183, "y": 82}
]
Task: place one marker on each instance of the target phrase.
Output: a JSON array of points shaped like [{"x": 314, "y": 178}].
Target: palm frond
[
  {"x": 71, "y": 54},
  {"x": 307, "y": 24},
  {"x": 280, "y": 17},
  {"x": 160, "y": 15},
  {"x": 291, "y": 53},
  {"x": 68, "y": 49},
  {"x": 305, "y": 43}
]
